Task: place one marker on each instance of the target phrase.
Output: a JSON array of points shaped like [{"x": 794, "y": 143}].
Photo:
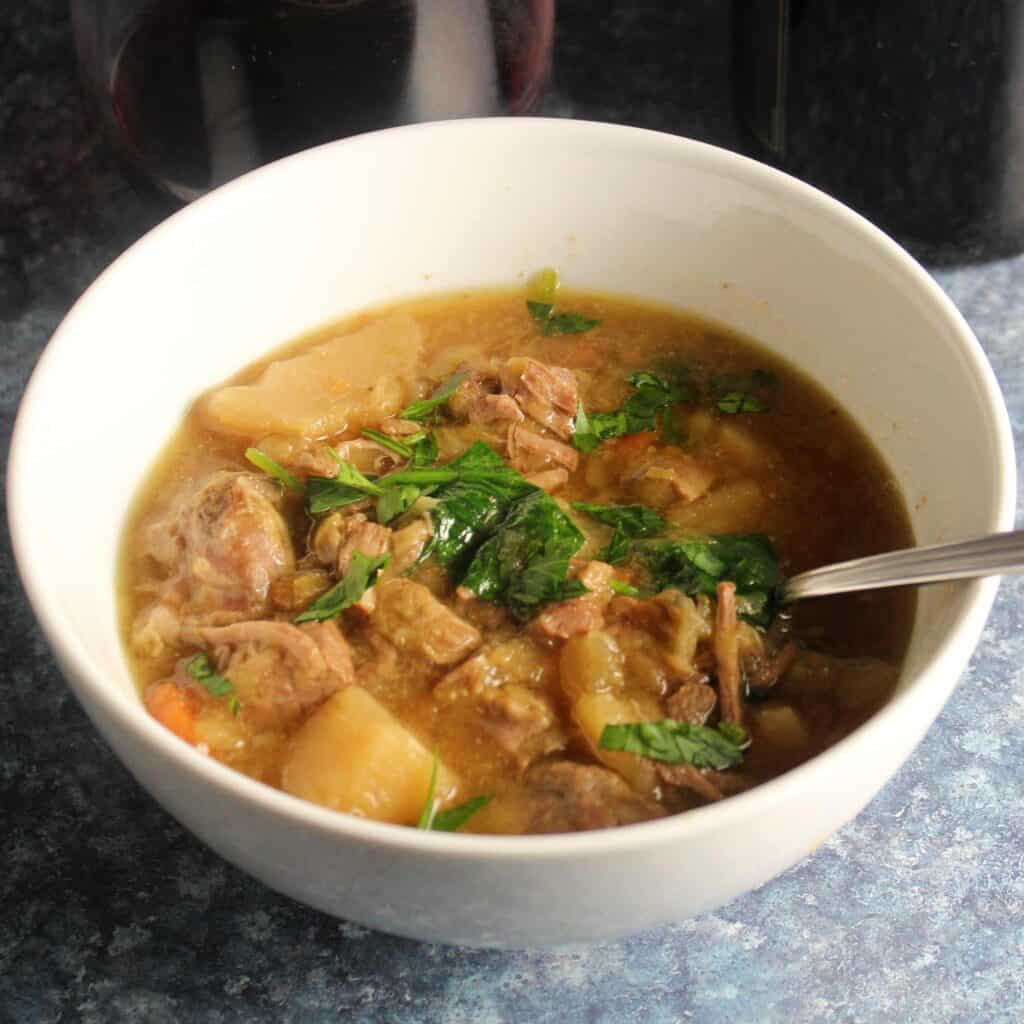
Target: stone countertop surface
[{"x": 110, "y": 912}]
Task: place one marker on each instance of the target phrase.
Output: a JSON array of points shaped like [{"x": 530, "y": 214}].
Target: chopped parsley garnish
[
  {"x": 433, "y": 820},
  {"x": 654, "y": 395},
  {"x": 201, "y": 669},
  {"x": 361, "y": 574},
  {"x": 630, "y": 521},
  {"x": 419, "y": 448},
  {"x": 696, "y": 566},
  {"x": 734, "y": 393},
  {"x": 541, "y": 307},
  {"x": 263, "y": 461},
  {"x": 324, "y": 494},
  {"x": 622, "y": 587},
  {"x": 425, "y": 408},
  {"x": 675, "y": 742}
]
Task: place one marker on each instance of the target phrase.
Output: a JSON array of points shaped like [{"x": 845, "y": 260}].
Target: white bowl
[{"x": 458, "y": 205}]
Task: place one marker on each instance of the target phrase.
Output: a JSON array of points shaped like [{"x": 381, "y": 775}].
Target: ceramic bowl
[{"x": 460, "y": 205}]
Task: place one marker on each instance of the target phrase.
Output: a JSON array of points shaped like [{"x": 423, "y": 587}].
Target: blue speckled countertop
[{"x": 110, "y": 912}]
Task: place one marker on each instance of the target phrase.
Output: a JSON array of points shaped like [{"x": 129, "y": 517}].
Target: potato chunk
[
  {"x": 353, "y": 755},
  {"x": 345, "y": 383},
  {"x": 591, "y": 663}
]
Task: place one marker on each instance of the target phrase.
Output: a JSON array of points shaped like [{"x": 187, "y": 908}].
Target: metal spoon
[{"x": 995, "y": 555}]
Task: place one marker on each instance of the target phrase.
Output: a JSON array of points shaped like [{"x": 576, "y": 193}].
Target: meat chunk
[
  {"x": 570, "y": 797},
  {"x": 395, "y": 427},
  {"x": 278, "y": 670},
  {"x": 522, "y": 723},
  {"x": 692, "y": 703},
  {"x": 416, "y": 622},
  {"x": 370, "y": 539},
  {"x": 547, "y": 394},
  {"x": 529, "y": 451},
  {"x": 515, "y": 662},
  {"x": 495, "y": 409},
  {"x": 678, "y": 624},
  {"x": 669, "y": 477},
  {"x": 306, "y": 458},
  {"x": 685, "y": 776},
  {"x": 580, "y": 614},
  {"x": 341, "y": 534},
  {"x": 225, "y": 546},
  {"x": 407, "y": 545}
]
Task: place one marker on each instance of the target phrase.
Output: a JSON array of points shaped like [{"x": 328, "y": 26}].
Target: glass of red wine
[{"x": 196, "y": 92}]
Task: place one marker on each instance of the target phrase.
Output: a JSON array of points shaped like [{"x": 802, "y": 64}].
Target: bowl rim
[{"x": 78, "y": 665}]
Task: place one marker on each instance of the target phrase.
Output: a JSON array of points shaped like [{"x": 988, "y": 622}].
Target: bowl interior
[{"x": 468, "y": 204}]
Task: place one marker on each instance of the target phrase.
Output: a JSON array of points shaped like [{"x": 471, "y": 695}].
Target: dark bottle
[
  {"x": 198, "y": 91},
  {"x": 911, "y": 111}
]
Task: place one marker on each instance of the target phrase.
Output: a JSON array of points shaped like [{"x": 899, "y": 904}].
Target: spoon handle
[{"x": 995, "y": 555}]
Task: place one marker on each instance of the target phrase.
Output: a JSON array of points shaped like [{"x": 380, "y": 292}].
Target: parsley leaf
[
  {"x": 544, "y": 316},
  {"x": 653, "y": 395},
  {"x": 695, "y": 566},
  {"x": 396, "y": 501},
  {"x": 324, "y": 494},
  {"x": 678, "y": 742},
  {"x": 426, "y": 407},
  {"x": 433, "y": 820},
  {"x": 201, "y": 669},
  {"x": 263, "y": 461},
  {"x": 392, "y": 444},
  {"x": 622, "y": 587},
  {"x": 454, "y": 818},
  {"x": 362, "y": 572}
]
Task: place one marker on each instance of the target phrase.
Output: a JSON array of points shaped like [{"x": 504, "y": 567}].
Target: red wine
[
  {"x": 203, "y": 90},
  {"x": 911, "y": 112}
]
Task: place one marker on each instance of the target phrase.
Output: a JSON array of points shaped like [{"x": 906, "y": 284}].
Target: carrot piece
[
  {"x": 172, "y": 707},
  {"x": 636, "y": 443}
]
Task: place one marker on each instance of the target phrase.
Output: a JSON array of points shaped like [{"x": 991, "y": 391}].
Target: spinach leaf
[
  {"x": 425, "y": 408},
  {"x": 525, "y": 563},
  {"x": 263, "y": 461},
  {"x": 590, "y": 431},
  {"x": 201, "y": 669},
  {"x": 454, "y": 818},
  {"x": 474, "y": 500},
  {"x": 678, "y": 742},
  {"x": 696, "y": 566},
  {"x": 630, "y": 521},
  {"x": 361, "y": 574}
]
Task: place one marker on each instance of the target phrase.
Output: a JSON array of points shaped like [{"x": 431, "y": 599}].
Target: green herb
[
  {"x": 455, "y": 817},
  {"x": 392, "y": 445},
  {"x": 653, "y": 396},
  {"x": 351, "y": 477},
  {"x": 525, "y": 563},
  {"x": 622, "y": 587},
  {"x": 479, "y": 490},
  {"x": 678, "y": 742},
  {"x": 696, "y": 566},
  {"x": 263, "y": 461},
  {"x": 672, "y": 431},
  {"x": 202, "y": 671},
  {"x": 395, "y": 501},
  {"x": 424, "y": 449},
  {"x": 733, "y": 393},
  {"x": 630, "y": 521},
  {"x": 430, "y": 804},
  {"x": 362, "y": 572},
  {"x": 544, "y": 285},
  {"x": 324, "y": 495},
  {"x": 433, "y": 820},
  {"x": 544, "y": 316},
  {"x": 426, "y": 407}
]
